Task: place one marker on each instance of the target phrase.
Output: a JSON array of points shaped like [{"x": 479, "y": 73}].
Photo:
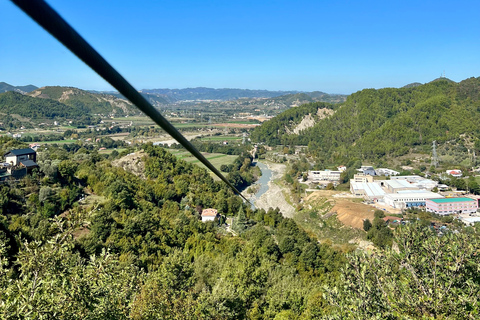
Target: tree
[
  {"x": 427, "y": 277},
  {"x": 367, "y": 225},
  {"x": 240, "y": 221}
]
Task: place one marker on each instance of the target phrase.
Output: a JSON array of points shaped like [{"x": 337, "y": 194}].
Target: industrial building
[
  {"x": 369, "y": 190},
  {"x": 417, "y": 181},
  {"x": 395, "y": 186},
  {"x": 407, "y": 199},
  {"x": 452, "y": 205}
]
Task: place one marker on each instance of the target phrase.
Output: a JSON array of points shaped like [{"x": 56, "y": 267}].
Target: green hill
[
  {"x": 34, "y": 108},
  {"x": 92, "y": 103},
  {"x": 388, "y": 122}
]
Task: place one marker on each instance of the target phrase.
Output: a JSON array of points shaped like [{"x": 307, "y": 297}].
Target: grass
[
  {"x": 243, "y": 122},
  {"x": 216, "y": 159},
  {"x": 56, "y": 141},
  {"x": 220, "y": 138}
]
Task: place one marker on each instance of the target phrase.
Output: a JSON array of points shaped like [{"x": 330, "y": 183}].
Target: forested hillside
[
  {"x": 92, "y": 103},
  {"x": 84, "y": 239},
  {"x": 386, "y": 122},
  {"x": 35, "y": 108}
]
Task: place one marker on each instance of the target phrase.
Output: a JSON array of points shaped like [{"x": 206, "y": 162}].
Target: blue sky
[{"x": 330, "y": 46}]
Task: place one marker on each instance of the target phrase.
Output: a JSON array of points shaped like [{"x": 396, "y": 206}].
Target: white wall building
[
  {"x": 362, "y": 178},
  {"x": 209, "y": 215},
  {"x": 386, "y": 172},
  {"x": 326, "y": 175},
  {"x": 367, "y": 170}
]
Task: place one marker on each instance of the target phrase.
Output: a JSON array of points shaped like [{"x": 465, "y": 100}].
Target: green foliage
[
  {"x": 367, "y": 225},
  {"x": 140, "y": 251},
  {"x": 372, "y": 123},
  {"x": 428, "y": 277},
  {"x": 36, "y": 108}
]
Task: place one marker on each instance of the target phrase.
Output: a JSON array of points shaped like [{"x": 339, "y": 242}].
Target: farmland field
[{"x": 216, "y": 159}]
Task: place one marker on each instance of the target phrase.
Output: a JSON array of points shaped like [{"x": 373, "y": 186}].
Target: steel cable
[{"x": 52, "y": 22}]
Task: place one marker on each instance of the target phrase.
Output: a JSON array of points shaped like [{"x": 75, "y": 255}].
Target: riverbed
[{"x": 270, "y": 195}]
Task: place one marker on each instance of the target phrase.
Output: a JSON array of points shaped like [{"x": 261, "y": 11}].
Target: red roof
[{"x": 209, "y": 213}]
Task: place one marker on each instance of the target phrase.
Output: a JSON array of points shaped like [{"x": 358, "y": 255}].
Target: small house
[
  {"x": 209, "y": 215},
  {"x": 14, "y": 157}
]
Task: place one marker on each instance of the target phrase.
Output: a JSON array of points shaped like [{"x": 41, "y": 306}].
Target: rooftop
[
  {"x": 447, "y": 200},
  {"x": 20, "y": 152},
  {"x": 209, "y": 213}
]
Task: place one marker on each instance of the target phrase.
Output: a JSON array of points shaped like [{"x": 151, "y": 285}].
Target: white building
[
  {"x": 326, "y": 175},
  {"x": 410, "y": 199},
  {"x": 386, "y": 172},
  {"x": 417, "y": 181},
  {"x": 455, "y": 173},
  {"x": 369, "y": 190},
  {"x": 394, "y": 186},
  {"x": 359, "y": 178},
  {"x": 367, "y": 170},
  {"x": 209, "y": 214}
]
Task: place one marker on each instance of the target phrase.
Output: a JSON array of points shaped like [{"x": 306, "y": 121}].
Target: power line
[{"x": 52, "y": 22}]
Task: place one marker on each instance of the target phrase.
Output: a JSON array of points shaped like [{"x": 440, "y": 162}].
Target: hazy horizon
[{"x": 308, "y": 46}]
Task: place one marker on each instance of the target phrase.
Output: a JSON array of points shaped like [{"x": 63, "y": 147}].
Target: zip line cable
[{"x": 52, "y": 22}]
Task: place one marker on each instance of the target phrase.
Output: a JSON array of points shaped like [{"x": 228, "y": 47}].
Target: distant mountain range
[
  {"x": 201, "y": 93},
  {"x": 4, "y": 87}
]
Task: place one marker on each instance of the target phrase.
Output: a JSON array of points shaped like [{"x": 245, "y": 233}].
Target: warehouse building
[
  {"x": 394, "y": 186},
  {"x": 369, "y": 190}
]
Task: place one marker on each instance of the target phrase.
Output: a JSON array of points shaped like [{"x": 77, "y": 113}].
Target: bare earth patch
[
  {"x": 133, "y": 163},
  {"x": 352, "y": 214}
]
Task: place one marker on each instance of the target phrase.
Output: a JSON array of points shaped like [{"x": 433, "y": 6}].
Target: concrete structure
[
  {"x": 362, "y": 178},
  {"x": 386, "y": 172},
  {"x": 14, "y": 157},
  {"x": 367, "y": 170},
  {"x": 341, "y": 168},
  {"x": 324, "y": 175},
  {"x": 447, "y": 206},
  {"x": 209, "y": 214},
  {"x": 417, "y": 198}
]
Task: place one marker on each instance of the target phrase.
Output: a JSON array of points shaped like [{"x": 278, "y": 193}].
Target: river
[{"x": 270, "y": 195}]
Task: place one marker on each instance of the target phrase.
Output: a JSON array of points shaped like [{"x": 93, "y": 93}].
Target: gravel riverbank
[{"x": 274, "y": 197}]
